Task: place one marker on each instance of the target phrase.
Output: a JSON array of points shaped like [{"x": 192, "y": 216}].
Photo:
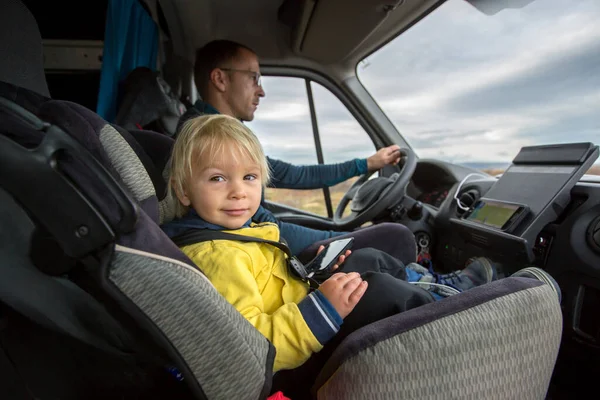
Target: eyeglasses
[{"x": 256, "y": 77}]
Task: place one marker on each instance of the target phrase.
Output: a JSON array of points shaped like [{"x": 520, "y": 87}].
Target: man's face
[
  {"x": 225, "y": 193},
  {"x": 243, "y": 92}
]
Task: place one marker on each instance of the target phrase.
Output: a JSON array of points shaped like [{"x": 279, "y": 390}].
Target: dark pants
[
  {"x": 394, "y": 239},
  {"x": 388, "y": 294}
]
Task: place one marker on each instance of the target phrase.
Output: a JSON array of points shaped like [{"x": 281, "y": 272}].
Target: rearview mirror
[{"x": 491, "y": 7}]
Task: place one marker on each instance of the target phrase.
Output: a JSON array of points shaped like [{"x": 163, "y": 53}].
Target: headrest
[
  {"x": 158, "y": 148},
  {"x": 146, "y": 98},
  {"x": 145, "y": 176},
  {"x": 21, "y": 48}
]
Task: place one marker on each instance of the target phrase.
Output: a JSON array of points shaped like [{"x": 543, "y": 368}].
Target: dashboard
[
  {"x": 568, "y": 246},
  {"x": 435, "y": 184}
]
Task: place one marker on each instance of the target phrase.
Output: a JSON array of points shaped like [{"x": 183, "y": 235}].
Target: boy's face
[{"x": 226, "y": 193}]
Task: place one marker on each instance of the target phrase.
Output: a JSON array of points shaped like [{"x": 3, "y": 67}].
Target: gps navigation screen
[{"x": 494, "y": 214}]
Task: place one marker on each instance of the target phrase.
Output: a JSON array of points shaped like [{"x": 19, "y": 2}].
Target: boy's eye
[
  {"x": 217, "y": 178},
  {"x": 250, "y": 177}
]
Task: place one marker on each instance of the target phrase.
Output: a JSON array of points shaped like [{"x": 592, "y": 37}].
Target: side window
[
  {"x": 284, "y": 126},
  {"x": 342, "y": 137}
]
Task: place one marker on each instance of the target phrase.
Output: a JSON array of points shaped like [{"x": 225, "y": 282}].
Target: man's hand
[
  {"x": 388, "y": 155},
  {"x": 344, "y": 291},
  {"x": 340, "y": 258}
]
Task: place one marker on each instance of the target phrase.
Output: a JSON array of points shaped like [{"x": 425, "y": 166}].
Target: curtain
[{"x": 130, "y": 41}]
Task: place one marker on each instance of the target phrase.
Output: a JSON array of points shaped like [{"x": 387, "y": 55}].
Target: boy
[{"x": 218, "y": 171}]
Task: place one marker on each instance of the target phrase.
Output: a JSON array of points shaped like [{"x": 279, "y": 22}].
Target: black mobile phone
[
  {"x": 501, "y": 215},
  {"x": 327, "y": 258}
]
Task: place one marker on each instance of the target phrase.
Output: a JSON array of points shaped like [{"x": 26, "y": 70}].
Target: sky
[{"x": 460, "y": 86}]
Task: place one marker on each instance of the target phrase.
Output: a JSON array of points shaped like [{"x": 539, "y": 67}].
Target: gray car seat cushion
[
  {"x": 491, "y": 350},
  {"x": 166, "y": 207},
  {"x": 225, "y": 352},
  {"x": 128, "y": 165}
]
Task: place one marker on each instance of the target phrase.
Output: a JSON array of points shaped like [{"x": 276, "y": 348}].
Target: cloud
[
  {"x": 294, "y": 111},
  {"x": 527, "y": 77},
  {"x": 283, "y": 124},
  {"x": 460, "y": 86}
]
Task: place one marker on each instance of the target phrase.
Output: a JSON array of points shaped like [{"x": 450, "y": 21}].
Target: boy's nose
[
  {"x": 238, "y": 195},
  {"x": 237, "y": 191}
]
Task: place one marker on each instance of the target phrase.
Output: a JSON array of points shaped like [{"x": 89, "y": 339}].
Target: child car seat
[{"x": 104, "y": 255}]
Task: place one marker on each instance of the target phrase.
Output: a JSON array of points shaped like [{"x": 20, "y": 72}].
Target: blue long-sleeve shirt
[{"x": 288, "y": 176}]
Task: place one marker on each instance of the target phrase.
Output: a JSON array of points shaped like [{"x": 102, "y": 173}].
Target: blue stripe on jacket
[{"x": 320, "y": 316}]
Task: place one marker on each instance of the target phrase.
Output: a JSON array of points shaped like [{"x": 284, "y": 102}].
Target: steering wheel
[{"x": 370, "y": 197}]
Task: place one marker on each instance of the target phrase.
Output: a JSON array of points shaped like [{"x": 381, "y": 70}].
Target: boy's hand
[
  {"x": 340, "y": 259},
  {"x": 344, "y": 291}
]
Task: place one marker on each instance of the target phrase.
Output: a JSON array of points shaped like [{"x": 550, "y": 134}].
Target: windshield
[{"x": 472, "y": 89}]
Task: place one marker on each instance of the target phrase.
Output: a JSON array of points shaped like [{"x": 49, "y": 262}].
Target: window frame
[{"x": 347, "y": 100}]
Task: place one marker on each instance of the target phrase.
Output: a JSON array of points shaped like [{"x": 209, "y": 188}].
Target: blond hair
[{"x": 211, "y": 136}]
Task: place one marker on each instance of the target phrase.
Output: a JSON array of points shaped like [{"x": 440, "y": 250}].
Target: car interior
[{"x": 97, "y": 302}]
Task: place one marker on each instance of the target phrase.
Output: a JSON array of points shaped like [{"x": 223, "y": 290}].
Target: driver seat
[{"x": 112, "y": 281}]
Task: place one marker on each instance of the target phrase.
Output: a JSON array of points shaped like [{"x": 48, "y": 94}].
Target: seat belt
[{"x": 192, "y": 236}]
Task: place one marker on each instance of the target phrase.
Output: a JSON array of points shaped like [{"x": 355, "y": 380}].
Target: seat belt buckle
[{"x": 298, "y": 268}]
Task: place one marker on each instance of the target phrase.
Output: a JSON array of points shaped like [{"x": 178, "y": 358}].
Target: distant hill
[{"x": 481, "y": 165}]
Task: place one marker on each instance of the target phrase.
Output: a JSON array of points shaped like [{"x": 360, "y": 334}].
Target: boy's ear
[{"x": 182, "y": 196}]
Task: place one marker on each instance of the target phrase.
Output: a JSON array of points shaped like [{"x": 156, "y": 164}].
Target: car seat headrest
[
  {"x": 146, "y": 100},
  {"x": 157, "y": 148},
  {"x": 22, "y": 54},
  {"x": 128, "y": 165}
]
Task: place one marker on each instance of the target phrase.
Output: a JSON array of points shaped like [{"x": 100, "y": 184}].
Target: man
[{"x": 227, "y": 76}]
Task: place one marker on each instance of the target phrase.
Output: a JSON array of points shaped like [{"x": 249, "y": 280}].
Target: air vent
[
  {"x": 467, "y": 199},
  {"x": 479, "y": 239}
]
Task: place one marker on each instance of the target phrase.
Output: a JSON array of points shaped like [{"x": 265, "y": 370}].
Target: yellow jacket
[{"x": 255, "y": 279}]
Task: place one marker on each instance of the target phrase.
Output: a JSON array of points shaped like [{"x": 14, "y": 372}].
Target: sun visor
[{"x": 320, "y": 32}]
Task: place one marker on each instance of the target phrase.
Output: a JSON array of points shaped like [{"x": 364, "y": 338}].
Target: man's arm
[{"x": 288, "y": 176}]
